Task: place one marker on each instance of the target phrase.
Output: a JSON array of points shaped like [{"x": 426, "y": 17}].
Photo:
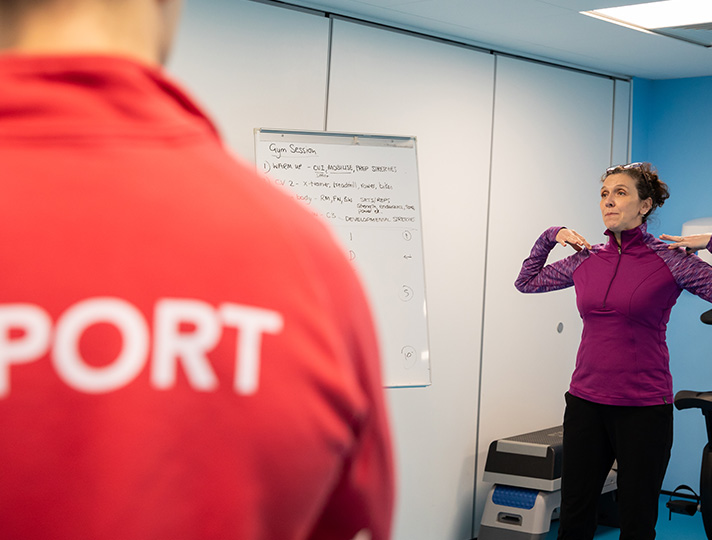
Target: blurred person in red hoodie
[{"x": 184, "y": 351}]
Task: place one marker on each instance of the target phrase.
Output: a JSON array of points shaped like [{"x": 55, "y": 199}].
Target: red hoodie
[{"x": 184, "y": 352}]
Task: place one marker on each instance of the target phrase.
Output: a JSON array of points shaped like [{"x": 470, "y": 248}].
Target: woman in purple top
[{"x": 619, "y": 403}]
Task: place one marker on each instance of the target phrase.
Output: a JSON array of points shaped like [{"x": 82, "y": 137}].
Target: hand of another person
[
  {"x": 691, "y": 243},
  {"x": 572, "y": 238}
]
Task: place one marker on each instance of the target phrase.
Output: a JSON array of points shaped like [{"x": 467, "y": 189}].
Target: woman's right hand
[{"x": 572, "y": 238}]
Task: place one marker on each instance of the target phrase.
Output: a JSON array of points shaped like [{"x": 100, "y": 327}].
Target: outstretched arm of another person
[{"x": 536, "y": 276}]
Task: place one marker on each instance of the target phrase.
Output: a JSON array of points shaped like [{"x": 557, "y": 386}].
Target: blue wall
[{"x": 672, "y": 128}]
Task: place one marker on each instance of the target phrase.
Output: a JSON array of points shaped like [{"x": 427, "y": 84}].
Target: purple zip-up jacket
[{"x": 624, "y": 297}]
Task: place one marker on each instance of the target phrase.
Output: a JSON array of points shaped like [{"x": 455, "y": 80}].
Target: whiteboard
[{"x": 366, "y": 188}]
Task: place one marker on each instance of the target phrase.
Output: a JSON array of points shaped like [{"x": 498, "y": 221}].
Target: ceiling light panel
[{"x": 664, "y": 14}]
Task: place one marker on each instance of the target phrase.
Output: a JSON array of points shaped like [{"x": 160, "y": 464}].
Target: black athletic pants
[{"x": 595, "y": 435}]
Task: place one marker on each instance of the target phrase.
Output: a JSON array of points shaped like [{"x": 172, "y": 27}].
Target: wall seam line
[
  {"x": 613, "y": 125},
  {"x": 484, "y": 296},
  {"x": 329, "y": 54}
]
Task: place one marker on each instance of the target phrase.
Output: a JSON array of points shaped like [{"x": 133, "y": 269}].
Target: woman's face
[{"x": 621, "y": 206}]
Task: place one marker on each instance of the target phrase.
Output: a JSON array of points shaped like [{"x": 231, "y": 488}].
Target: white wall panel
[
  {"x": 254, "y": 65},
  {"x": 551, "y": 143},
  {"x": 389, "y": 83}
]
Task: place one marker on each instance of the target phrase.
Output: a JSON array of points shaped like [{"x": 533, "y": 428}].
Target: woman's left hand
[{"x": 691, "y": 243}]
